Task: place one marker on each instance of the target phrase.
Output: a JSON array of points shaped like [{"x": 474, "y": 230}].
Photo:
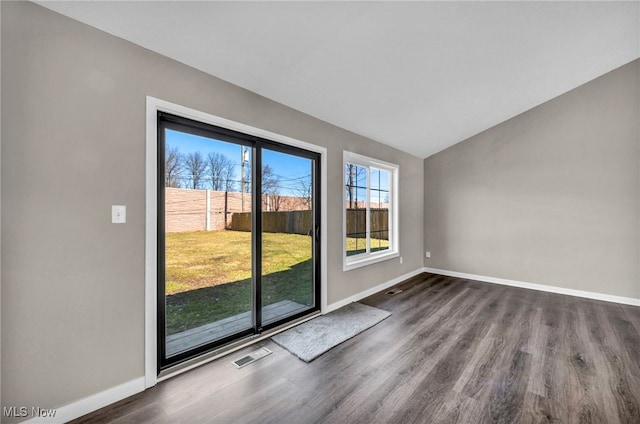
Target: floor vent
[
  {"x": 252, "y": 357},
  {"x": 394, "y": 292}
]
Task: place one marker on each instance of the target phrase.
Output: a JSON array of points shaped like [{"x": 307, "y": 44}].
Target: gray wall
[
  {"x": 549, "y": 197},
  {"x": 0, "y": 215},
  {"x": 73, "y": 114}
]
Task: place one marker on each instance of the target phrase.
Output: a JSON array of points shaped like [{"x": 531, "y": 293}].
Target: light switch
[{"x": 118, "y": 214}]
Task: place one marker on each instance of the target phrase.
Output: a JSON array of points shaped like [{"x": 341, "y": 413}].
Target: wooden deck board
[{"x": 197, "y": 336}]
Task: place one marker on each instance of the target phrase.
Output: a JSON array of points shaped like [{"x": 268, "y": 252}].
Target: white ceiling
[{"x": 419, "y": 76}]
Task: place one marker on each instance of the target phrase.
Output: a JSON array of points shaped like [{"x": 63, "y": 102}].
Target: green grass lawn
[
  {"x": 208, "y": 274},
  {"x": 357, "y": 246}
]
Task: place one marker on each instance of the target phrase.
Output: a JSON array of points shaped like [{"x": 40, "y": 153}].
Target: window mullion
[
  {"x": 391, "y": 211},
  {"x": 368, "y": 213}
]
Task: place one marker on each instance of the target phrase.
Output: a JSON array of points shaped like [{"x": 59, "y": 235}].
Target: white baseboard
[
  {"x": 92, "y": 403},
  {"x": 373, "y": 290},
  {"x": 100, "y": 400},
  {"x": 540, "y": 287}
]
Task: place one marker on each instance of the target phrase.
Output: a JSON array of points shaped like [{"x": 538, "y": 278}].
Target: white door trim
[{"x": 153, "y": 106}]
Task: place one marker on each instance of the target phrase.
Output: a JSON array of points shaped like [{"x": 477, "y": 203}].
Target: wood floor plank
[
  {"x": 453, "y": 351},
  {"x": 537, "y": 347},
  {"x": 476, "y": 367},
  {"x": 428, "y": 388},
  {"x": 536, "y": 409},
  {"x": 605, "y": 409},
  {"x": 633, "y": 315},
  {"x": 457, "y": 408},
  {"x": 514, "y": 322},
  {"x": 623, "y": 385},
  {"x": 419, "y": 355},
  {"x": 505, "y": 403}
]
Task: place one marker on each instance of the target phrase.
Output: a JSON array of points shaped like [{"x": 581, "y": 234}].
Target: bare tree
[
  {"x": 270, "y": 180},
  {"x": 229, "y": 175},
  {"x": 172, "y": 167},
  {"x": 304, "y": 192},
  {"x": 271, "y": 188},
  {"x": 195, "y": 166},
  {"x": 221, "y": 172},
  {"x": 274, "y": 200},
  {"x": 353, "y": 174}
]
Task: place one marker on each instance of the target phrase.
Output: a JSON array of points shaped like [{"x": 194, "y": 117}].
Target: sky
[{"x": 290, "y": 170}]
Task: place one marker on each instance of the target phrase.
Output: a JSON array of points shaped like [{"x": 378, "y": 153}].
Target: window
[{"x": 370, "y": 213}]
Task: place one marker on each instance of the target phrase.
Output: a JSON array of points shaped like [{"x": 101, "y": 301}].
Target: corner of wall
[{"x": 519, "y": 201}]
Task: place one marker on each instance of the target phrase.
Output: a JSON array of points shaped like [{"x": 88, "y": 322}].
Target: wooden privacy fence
[
  {"x": 209, "y": 210},
  {"x": 290, "y": 222},
  {"x": 301, "y": 222},
  {"x": 357, "y": 221}
]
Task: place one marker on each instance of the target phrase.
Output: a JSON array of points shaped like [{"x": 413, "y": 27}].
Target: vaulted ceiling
[{"x": 419, "y": 76}]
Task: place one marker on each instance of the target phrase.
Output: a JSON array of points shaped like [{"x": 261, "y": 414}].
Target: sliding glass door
[
  {"x": 288, "y": 235},
  {"x": 237, "y": 236}
]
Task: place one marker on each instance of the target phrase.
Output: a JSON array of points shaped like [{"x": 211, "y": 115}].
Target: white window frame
[{"x": 368, "y": 257}]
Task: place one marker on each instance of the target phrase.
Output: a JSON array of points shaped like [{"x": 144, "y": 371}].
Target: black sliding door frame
[{"x": 256, "y": 144}]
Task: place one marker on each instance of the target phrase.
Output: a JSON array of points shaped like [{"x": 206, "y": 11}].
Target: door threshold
[{"x": 230, "y": 348}]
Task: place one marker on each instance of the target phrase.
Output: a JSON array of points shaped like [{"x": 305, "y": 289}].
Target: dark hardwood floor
[{"x": 454, "y": 350}]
